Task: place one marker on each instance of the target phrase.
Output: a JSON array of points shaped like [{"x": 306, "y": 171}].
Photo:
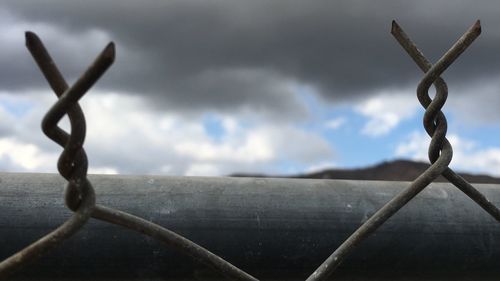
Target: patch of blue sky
[
  {"x": 352, "y": 147},
  {"x": 483, "y": 134},
  {"x": 17, "y": 107},
  {"x": 214, "y": 128}
]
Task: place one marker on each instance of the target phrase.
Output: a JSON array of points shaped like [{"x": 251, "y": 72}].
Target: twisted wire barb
[
  {"x": 440, "y": 150},
  {"x": 73, "y": 164},
  {"x": 441, "y": 88}
]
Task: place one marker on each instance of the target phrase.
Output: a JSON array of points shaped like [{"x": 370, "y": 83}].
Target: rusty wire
[
  {"x": 440, "y": 150},
  {"x": 72, "y": 165},
  {"x": 80, "y": 196},
  {"x": 425, "y": 100}
]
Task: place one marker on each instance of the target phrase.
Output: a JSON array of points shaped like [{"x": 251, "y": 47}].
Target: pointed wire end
[
  {"x": 395, "y": 28},
  {"x": 477, "y": 27},
  {"x": 109, "y": 52},
  {"x": 32, "y": 39}
]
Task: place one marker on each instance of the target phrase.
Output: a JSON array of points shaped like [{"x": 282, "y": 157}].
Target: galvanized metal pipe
[{"x": 271, "y": 228}]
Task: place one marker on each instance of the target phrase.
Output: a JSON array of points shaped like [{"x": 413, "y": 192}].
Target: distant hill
[{"x": 397, "y": 170}]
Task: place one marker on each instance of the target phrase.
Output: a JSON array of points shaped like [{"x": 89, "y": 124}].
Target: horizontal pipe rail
[{"x": 271, "y": 228}]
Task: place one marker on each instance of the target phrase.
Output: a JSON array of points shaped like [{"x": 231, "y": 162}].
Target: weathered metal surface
[{"x": 271, "y": 228}]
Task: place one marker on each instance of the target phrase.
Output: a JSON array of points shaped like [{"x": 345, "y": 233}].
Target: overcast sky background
[{"x": 276, "y": 87}]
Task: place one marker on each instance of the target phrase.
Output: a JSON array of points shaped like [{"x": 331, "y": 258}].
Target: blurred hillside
[{"x": 397, "y": 170}]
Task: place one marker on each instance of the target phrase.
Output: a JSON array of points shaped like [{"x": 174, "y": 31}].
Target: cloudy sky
[{"x": 277, "y": 87}]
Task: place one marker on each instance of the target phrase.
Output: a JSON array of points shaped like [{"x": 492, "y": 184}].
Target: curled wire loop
[
  {"x": 73, "y": 164},
  {"x": 440, "y": 150}
]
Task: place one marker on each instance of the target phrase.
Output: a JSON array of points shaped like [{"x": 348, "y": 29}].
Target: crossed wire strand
[
  {"x": 425, "y": 101},
  {"x": 72, "y": 165},
  {"x": 440, "y": 150}
]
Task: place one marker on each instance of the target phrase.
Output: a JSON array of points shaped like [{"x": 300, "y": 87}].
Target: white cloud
[
  {"x": 102, "y": 170},
  {"x": 467, "y": 155},
  {"x": 25, "y": 157},
  {"x": 385, "y": 111},
  {"x": 125, "y": 136},
  {"x": 202, "y": 169},
  {"x": 476, "y": 102},
  {"x": 255, "y": 146},
  {"x": 415, "y": 147},
  {"x": 321, "y": 166},
  {"x": 335, "y": 123}
]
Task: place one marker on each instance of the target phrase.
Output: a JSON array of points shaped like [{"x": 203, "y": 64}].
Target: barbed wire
[
  {"x": 80, "y": 196},
  {"x": 72, "y": 165}
]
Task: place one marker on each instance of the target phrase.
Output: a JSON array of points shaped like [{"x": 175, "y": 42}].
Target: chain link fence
[{"x": 80, "y": 197}]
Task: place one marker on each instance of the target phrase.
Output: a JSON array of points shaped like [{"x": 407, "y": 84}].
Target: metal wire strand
[
  {"x": 80, "y": 197},
  {"x": 73, "y": 169},
  {"x": 60, "y": 87},
  {"x": 419, "y": 58},
  {"x": 440, "y": 149},
  {"x": 74, "y": 111},
  {"x": 73, "y": 163}
]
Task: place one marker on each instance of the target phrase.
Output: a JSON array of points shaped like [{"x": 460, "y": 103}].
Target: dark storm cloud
[{"x": 229, "y": 54}]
